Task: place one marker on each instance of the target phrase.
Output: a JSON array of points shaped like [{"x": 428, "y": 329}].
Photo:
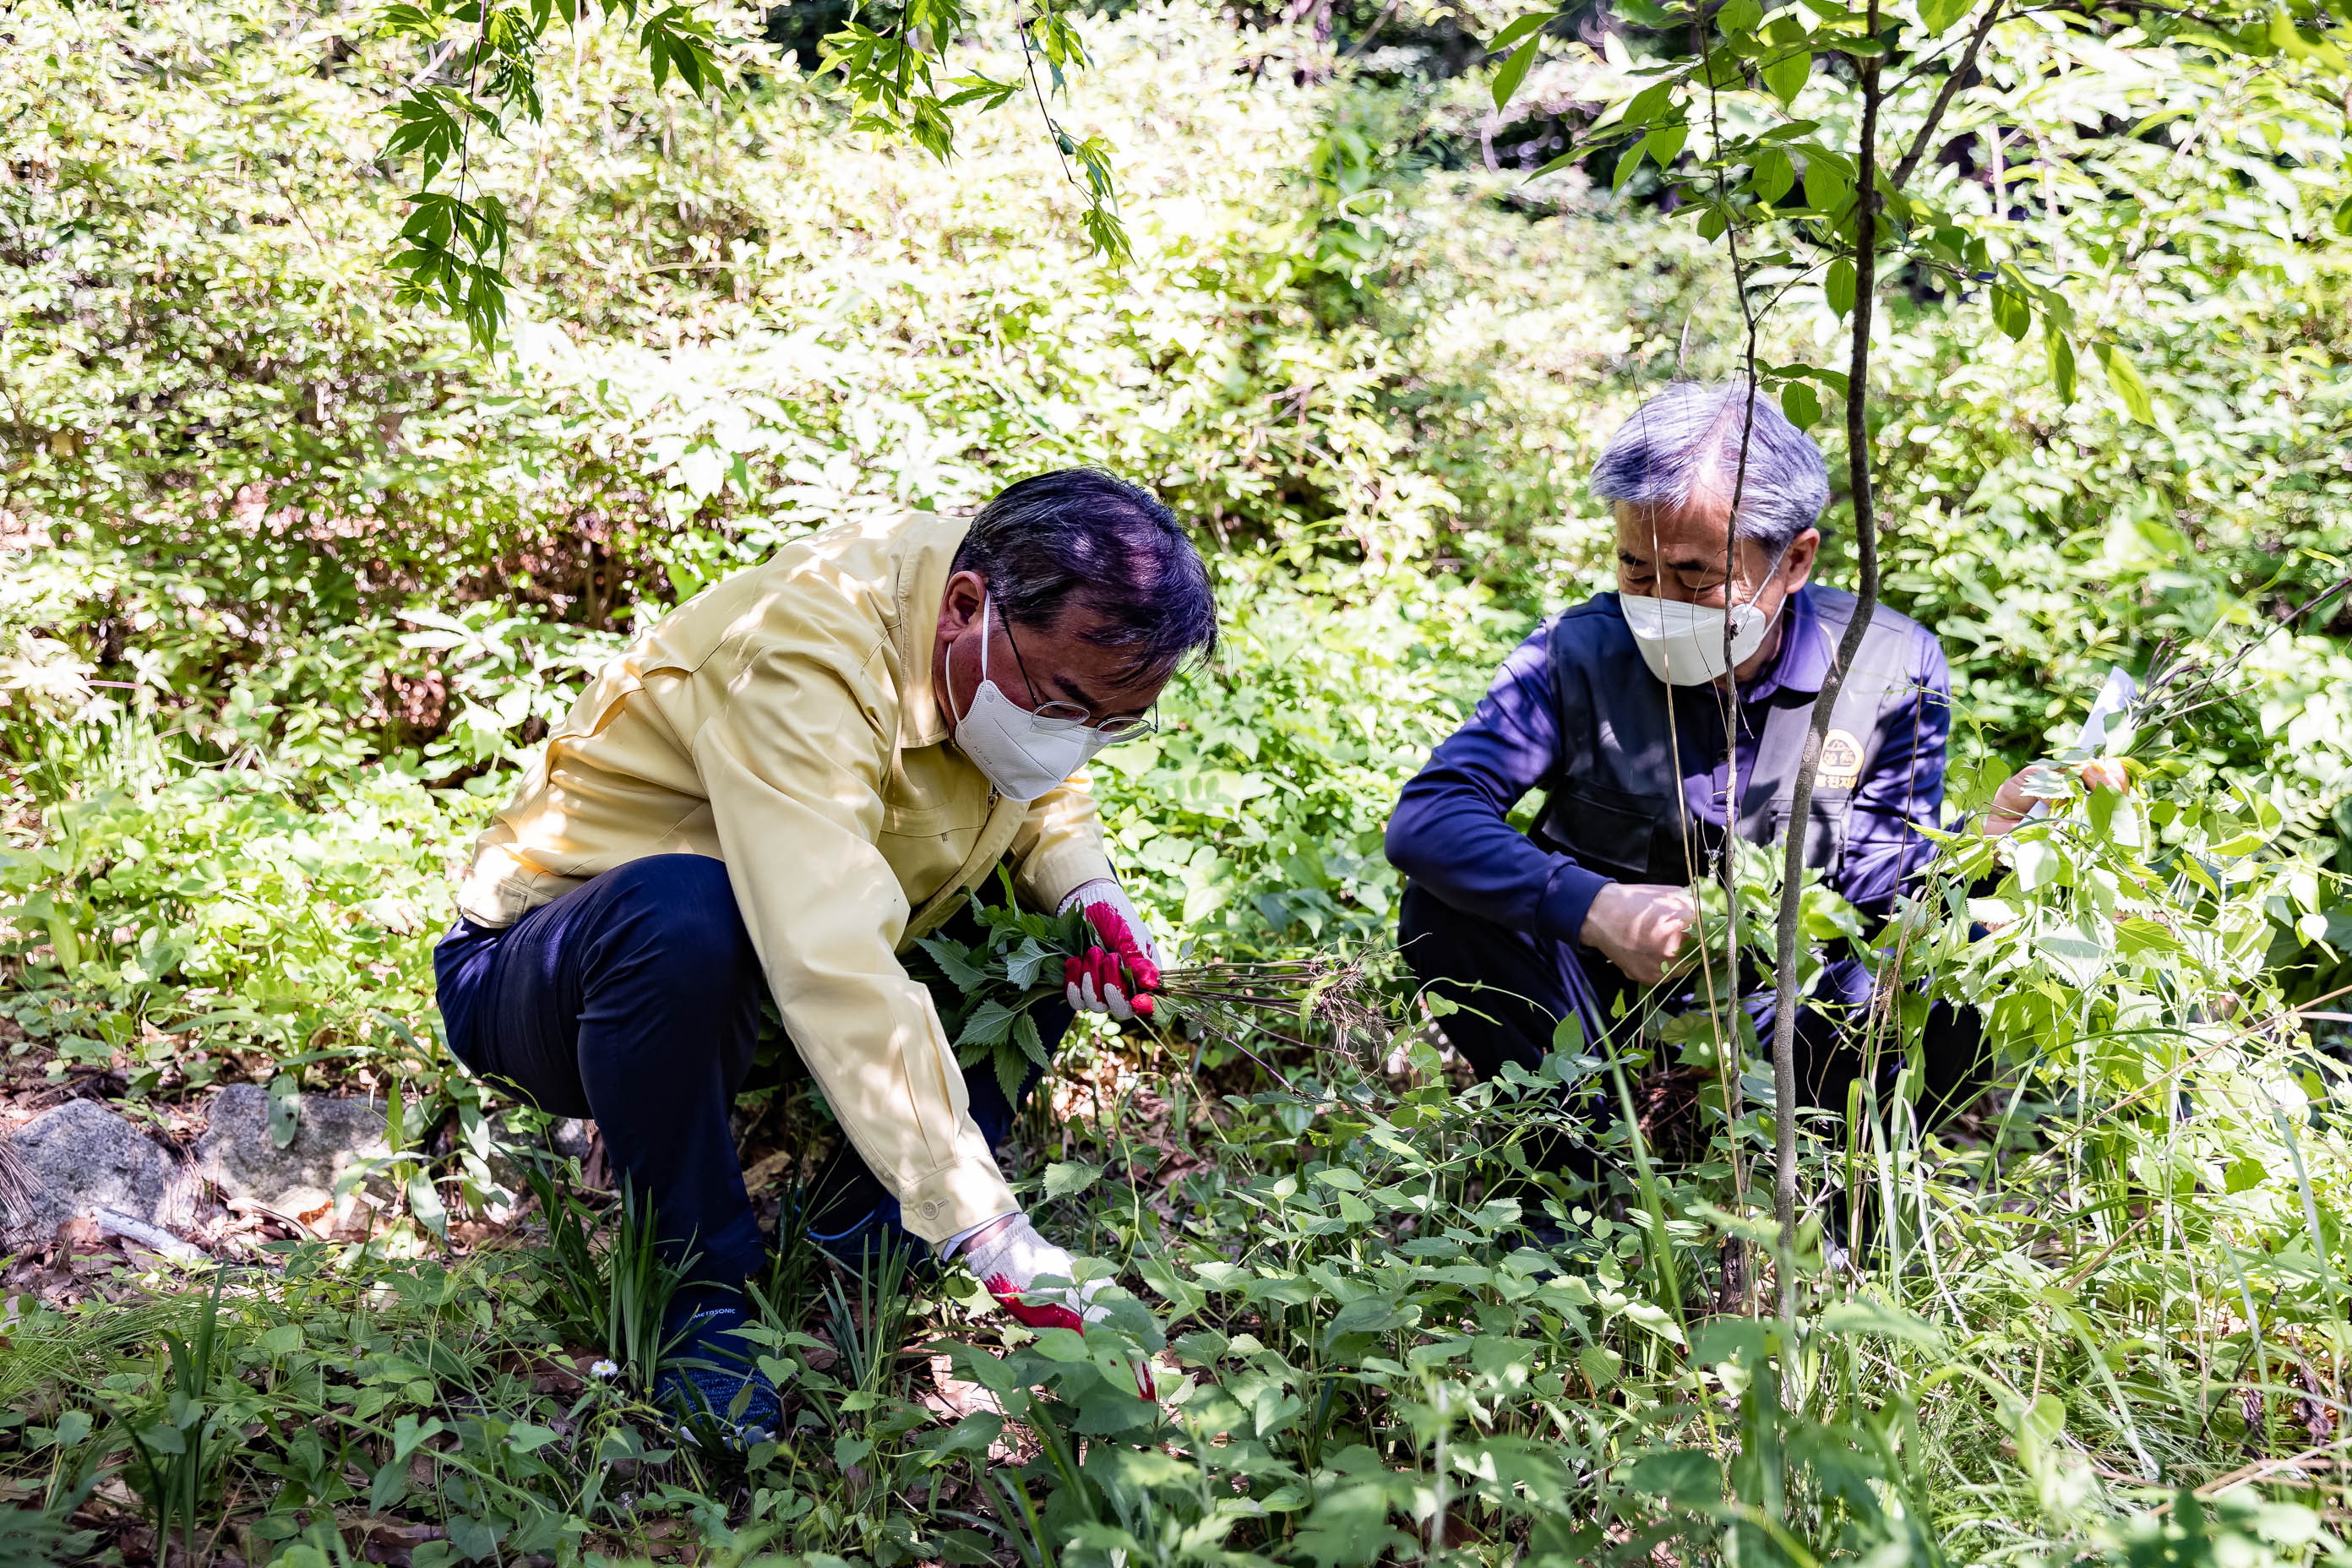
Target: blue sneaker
[{"x": 711, "y": 1384}]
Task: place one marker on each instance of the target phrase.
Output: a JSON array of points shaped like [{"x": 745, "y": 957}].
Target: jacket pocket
[{"x": 1607, "y": 830}]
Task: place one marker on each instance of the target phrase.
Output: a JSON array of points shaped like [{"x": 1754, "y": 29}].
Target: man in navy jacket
[{"x": 1617, "y": 710}]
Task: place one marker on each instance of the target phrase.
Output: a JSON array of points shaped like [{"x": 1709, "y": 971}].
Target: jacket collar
[
  {"x": 1805, "y": 655},
  {"x": 925, "y": 552}
]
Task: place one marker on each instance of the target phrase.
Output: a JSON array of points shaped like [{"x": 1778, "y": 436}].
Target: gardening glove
[
  {"x": 1116, "y": 975},
  {"x": 1009, "y": 1264}
]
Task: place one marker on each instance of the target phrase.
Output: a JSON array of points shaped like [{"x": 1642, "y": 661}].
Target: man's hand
[
  {"x": 2037, "y": 783},
  {"x": 1009, "y": 1257},
  {"x": 1639, "y": 927},
  {"x": 1116, "y": 975}
]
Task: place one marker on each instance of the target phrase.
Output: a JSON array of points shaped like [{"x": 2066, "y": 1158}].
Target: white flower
[{"x": 606, "y": 1369}]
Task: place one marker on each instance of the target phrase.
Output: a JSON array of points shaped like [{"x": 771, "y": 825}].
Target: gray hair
[{"x": 1688, "y": 436}]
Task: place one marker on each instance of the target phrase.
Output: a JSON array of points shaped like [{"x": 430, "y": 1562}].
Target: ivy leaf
[
  {"x": 2125, "y": 379},
  {"x": 1513, "y": 71}
]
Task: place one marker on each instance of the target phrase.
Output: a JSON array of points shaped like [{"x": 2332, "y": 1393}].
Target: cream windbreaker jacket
[{"x": 784, "y": 721}]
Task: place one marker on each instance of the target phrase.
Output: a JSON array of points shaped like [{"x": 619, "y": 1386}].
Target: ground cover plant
[{"x": 296, "y": 575}]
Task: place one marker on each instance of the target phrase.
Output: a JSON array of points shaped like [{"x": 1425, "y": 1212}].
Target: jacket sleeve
[
  {"x": 1904, "y": 789},
  {"x": 1451, "y": 832},
  {"x": 794, "y": 781},
  {"x": 1059, "y": 846}
]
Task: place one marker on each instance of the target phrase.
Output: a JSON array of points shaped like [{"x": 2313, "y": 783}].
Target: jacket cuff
[
  {"x": 1567, "y": 900},
  {"x": 1053, "y": 874},
  {"x": 955, "y": 1198}
]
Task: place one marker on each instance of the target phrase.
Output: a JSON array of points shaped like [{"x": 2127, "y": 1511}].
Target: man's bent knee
[{"x": 679, "y": 912}]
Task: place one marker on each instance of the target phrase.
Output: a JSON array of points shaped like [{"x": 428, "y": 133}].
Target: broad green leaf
[
  {"x": 1532, "y": 22},
  {"x": 1067, "y": 1178},
  {"x": 1785, "y": 77},
  {"x": 1740, "y": 15},
  {"x": 1936, "y": 15},
  {"x": 2010, "y": 312},
  {"x": 1772, "y": 176},
  {"x": 1803, "y": 408},
  {"x": 1515, "y": 72},
  {"x": 1827, "y": 187},
  {"x": 2125, "y": 379},
  {"x": 1684, "y": 1477},
  {"x": 989, "y": 1024},
  {"x": 1837, "y": 285},
  {"x": 2060, "y": 352}
]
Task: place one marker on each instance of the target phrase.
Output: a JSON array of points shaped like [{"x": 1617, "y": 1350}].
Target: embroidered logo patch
[{"x": 1840, "y": 761}]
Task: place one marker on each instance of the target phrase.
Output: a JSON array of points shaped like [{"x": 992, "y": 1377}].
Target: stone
[
  {"x": 78, "y": 1159},
  {"x": 330, "y": 1134}
]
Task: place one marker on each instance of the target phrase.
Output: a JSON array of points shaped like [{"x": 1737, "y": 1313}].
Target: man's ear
[
  {"x": 1803, "y": 551},
  {"x": 960, "y": 606}
]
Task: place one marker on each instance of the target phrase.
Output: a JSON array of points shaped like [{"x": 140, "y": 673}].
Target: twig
[{"x": 1944, "y": 96}]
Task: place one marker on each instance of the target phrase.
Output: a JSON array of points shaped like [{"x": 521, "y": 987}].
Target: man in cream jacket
[{"x": 779, "y": 787}]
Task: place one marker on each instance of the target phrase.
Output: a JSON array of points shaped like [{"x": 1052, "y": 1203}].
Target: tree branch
[
  {"x": 1944, "y": 96},
  {"x": 1865, "y": 540}
]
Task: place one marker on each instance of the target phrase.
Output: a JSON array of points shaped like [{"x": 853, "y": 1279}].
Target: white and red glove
[
  {"x": 1008, "y": 1265},
  {"x": 1116, "y": 975}
]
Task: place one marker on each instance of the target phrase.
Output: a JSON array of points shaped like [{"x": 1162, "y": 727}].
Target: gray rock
[
  {"x": 80, "y": 1158},
  {"x": 330, "y": 1134}
]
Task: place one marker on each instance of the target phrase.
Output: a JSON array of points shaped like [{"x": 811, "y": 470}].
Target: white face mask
[
  {"x": 1683, "y": 644},
  {"x": 1024, "y": 756}
]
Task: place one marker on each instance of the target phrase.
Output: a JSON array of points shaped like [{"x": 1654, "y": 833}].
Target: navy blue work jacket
[{"x": 1450, "y": 831}]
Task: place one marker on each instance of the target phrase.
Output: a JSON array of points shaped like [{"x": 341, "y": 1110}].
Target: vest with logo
[{"x": 1615, "y": 802}]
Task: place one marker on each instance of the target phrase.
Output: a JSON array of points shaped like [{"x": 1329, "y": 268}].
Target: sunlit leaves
[
  {"x": 1772, "y": 176},
  {"x": 675, "y": 38}
]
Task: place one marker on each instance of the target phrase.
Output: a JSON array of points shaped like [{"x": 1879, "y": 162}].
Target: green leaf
[
  {"x": 1772, "y": 176},
  {"x": 1533, "y": 21},
  {"x": 1025, "y": 1034},
  {"x": 1683, "y": 1476},
  {"x": 1515, "y": 72},
  {"x": 285, "y": 1110},
  {"x": 1785, "y": 77},
  {"x": 2061, "y": 363},
  {"x": 1740, "y": 15},
  {"x": 2244, "y": 1175},
  {"x": 989, "y": 1024},
  {"x": 1837, "y": 286},
  {"x": 2125, "y": 381},
  {"x": 2010, "y": 312},
  {"x": 1802, "y": 404},
  {"x": 1936, "y": 15},
  {"x": 1827, "y": 187},
  {"x": 1626, "y": 163},
  {"x": 1067, "y": 1178}
]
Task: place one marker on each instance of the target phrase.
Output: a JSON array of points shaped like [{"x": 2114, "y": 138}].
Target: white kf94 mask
[
  {"x": 1024, "y": 755},
  {"x": 1683, "y": 644}
]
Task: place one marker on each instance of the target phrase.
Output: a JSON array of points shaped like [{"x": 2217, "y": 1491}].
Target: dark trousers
[
  {"x": 635, "y": 1000},
  {"x": 1513, "y": 988}
]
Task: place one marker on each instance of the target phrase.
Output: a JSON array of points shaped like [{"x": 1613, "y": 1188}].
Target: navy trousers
[
  {"x": 1513, "y": 988},
  {"x": 635, "y": 1000}
]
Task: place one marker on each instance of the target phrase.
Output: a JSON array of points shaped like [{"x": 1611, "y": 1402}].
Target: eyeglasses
[{"x": 1070, "y": 715}]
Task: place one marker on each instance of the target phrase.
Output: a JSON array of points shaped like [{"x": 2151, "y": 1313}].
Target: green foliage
[{"x": 315, "y": 574}]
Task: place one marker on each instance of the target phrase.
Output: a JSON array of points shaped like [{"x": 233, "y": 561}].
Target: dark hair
[{"x": 1079, "y": 539}]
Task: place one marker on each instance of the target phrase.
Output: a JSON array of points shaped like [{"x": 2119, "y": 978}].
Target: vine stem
[{"x": 1865, "y": 543}]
